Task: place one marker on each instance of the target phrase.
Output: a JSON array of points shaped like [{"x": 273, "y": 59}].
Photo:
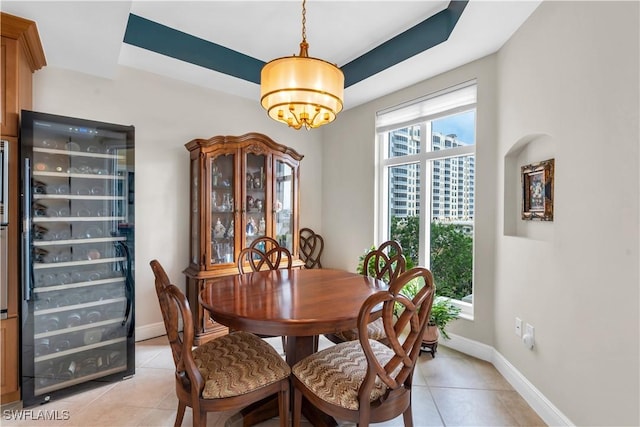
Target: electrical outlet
[
  {"x": 529, "y": 337},
  {"x": 518, "y": 326},
  {"x": 530, "y": 331}
]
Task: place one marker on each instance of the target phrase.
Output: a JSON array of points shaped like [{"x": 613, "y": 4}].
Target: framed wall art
[{"x": 537, "y": 191}]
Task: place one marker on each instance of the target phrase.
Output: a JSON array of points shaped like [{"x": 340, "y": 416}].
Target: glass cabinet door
[
  {"x": 256, "y": 198},
  {"x": 195, "y": 211},
  {"x": 284, "y": 204},
  {"x": 222, "y": 208}
]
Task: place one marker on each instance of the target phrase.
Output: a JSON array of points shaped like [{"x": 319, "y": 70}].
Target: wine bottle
[{"x": 67, "y": 370}]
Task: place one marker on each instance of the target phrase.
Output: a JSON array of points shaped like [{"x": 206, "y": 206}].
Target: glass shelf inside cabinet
[
  {"x": 255, "y": 190},
  {"x": 223, "y": 209},
  {"x": 284, "y": 207}
]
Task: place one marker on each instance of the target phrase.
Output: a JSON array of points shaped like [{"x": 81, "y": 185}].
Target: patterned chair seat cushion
[
  {"x": 375, "y": 331},
  {"x": 336, "y": 373},
  {"x": 238, "y": 363}
]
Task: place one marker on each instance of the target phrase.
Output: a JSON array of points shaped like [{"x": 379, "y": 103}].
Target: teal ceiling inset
[
  {"x": 423, "y": 36},
  {"x": 164, "y": 40}
]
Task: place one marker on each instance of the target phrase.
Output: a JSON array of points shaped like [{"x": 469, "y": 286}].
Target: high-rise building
[{"x": 452, "y": 179}]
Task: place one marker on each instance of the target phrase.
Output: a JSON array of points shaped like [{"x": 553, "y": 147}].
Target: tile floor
[{"x": 450, "y": 390}]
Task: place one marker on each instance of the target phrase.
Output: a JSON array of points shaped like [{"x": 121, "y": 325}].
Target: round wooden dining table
[{"x": 296, "y": 303}]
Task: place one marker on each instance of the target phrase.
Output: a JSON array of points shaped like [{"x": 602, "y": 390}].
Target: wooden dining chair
[
  {"x": 264, "y": 243},
  {"x": 226, "y": 373},
  {"x": 370, "y": 382},
  {"x": 385, "y": 263},
  {"x": 254, "y": 259},
  {"x": 311, "y": 247}
]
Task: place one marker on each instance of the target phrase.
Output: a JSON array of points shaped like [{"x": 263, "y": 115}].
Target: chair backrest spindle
[
  {"x": 256, "y": 259},
  {"x": 311, "y": 247},
  {"x": 386, "y": 262}
]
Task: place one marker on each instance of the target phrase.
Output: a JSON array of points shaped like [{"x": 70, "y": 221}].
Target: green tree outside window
[{"x": 451, "y": 253}]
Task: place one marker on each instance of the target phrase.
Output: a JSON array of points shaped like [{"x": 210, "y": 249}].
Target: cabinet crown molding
[
  {"x": 25, "y": 31},
  {"x": 248, "y": 139}
]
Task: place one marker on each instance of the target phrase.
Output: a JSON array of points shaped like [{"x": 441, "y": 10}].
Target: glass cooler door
[{"x": 78, "y": 250}]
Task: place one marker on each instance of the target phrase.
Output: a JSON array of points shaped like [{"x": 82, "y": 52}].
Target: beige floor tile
[
  {"x": 109, "y": 415},
  {"x": 425, "y": 411},
  {"x": 159, "y": 418},
  {"x": 146, "y": 389},
  {"x": 169, "y": 400},
  {"x": 519, "y": 409},
  {"x": 149, "y": 349},
  {"x": 462, "y": 372},
  {"x": 468, "y": 407},
  {"x": 162, "y": 360}
]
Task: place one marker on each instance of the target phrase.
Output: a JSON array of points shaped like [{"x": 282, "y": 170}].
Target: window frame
[{"x": 425, "y": 161}]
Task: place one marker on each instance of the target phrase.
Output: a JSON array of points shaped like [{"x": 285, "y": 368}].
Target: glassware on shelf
[
  {"x": 226, "y": 202},
  {"x": 251, "y": 227},
  {"x": 219, "y": 230},
  {"x": 72, "y": 146}
]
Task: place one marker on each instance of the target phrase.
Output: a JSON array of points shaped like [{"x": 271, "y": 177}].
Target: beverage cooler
[{"x": 77, "y": 254}]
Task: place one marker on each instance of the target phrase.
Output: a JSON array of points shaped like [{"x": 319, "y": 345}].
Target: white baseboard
[
  {"x": 538, "y": 402},
  {"x": 150, "y": 331}
]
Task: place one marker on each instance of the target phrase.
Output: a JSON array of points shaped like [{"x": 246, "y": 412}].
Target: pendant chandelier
[{"x": 302, "y": 91}]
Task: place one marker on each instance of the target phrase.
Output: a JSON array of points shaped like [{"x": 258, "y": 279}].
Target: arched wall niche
[{"x": 528, "y": 149}]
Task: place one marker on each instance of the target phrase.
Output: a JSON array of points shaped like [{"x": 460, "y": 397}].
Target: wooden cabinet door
[
  {"x": 9, "y": 89},
  {"x": 255, "y": 196},
  {"x": 9, "y": 360},
  {"x": 285, "y": 203}
]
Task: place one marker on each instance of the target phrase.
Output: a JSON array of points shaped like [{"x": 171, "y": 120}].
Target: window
[{"x": 427, "y": 155}]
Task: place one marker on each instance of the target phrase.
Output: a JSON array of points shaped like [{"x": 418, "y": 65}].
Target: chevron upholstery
[
  {"x": 375, "y": 330},
  {"x": 336, "y": 373},
  {"x": 236, "y": 364}
]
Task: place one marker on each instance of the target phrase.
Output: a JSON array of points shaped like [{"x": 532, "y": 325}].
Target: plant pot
[{"x": 430, "y": 340}]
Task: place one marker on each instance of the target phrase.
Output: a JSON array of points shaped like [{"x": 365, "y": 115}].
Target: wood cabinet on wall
[
  {"x": 242, "y": 188},
  {"x": 21, "y": 56}
]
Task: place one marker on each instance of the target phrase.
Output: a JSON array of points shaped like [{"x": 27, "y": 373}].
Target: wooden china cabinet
[
  {"x": 242, "y": 188},
  {"x": 21, "y": 56}
]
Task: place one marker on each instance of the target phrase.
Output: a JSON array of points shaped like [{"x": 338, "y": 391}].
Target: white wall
[
  {"x": 570, "y": 74},
  {"x": 166, "y": 114}
]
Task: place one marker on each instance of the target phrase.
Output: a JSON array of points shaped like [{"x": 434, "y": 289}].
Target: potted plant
[{"x": 443, "y": 311}]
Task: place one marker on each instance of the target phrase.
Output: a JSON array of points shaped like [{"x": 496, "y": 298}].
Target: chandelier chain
[{"x": 304, "y": 21}]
